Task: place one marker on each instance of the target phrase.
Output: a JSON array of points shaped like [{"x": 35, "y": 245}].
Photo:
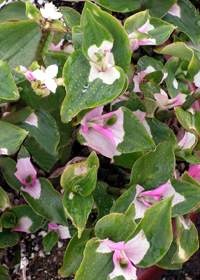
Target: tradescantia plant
[{"x": 82, "y": 93}]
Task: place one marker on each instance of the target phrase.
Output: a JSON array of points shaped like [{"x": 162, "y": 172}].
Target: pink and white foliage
[
  {"x": 27, "y": 175},
  {"x": 63, "y": 231},
  {"x": 165, "y": 103},
  {"x": 175, "y": 11},
  {"x": 187, "y": 141},
  {"x": 101, "y": 136},
  {"x": 137, "y": 79},
  {"x": 102, "y": 62},
  {"x": 24, "y": 225},
  {"x": 135, "y": 43},
  {"x": 145, "y": 199},
  {"x": 126, "y": 255},
  {"x": 27, "y": 73}
]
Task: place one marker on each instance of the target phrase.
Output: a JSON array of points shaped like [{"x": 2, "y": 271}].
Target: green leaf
[
  {"x": 49, "y": 205},
  {"x": 8, "y": 220},
  {"x": 11, "y": 137},
  {"x": 8, "y": 238},
  {"x": 18, "y": 117},
  {"x": 77, "y": 37},
  {"x": 187, "y": 233},
  {"x": 145, "y": 61},
  {"x": 81, "y": 176},
  {"x": 191, "y": 194},
  {"x": 184, "y": 52},
  {"x": 13, "y": 12},
  {"x": 185, "y": 118},
  {"x": 124, "y": 201},
  {"x": 74, "y": 253},
  {"x": 8, "y": 168},
  {"x": 39, "y": 155},
  {"x": 156, "y": 8},
  {"x": 127, "y": 160},
  {"x": 103, "y": 199},
  {"x": 186, "y": 177},
  {"x": 45, "y": 132},
  {"x": 71, "y": 17},
  {"x": 8, "y": 89},
  {"x": 121, "y": 49},
  {"x": 50, "y": 240},
  {"x": 160, "y": 131},
  {"x": 19, "y": 47},
  {"x": 188, "y": 22},
  {"x": 102, "y": 264},
  {"x": 157, "y": 229},
  {"x": 93, "y": 33},
  {"x": 160, "y": 30},
  {"x": 5, "y": 201},
  {"x": 3, "y": 269},
  {"x": 78, "y": 208},
  {"x": 82, "y": 94},
  {"x": 65, "y": 129},
  {"x": 36, "y": 102},
  {"x": 31, "y": 11},
  {"x": 136, "y": 138},
  {"x": 166, "y": 261},
  {"x": 154, "y": 168},
  {"x": 119, "y": 6},
  {"x": 110, "y": 225},
  {"x": 22, "y": 211}
]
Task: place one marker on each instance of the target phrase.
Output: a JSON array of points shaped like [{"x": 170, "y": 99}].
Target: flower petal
[
  {"x": 63, "y": 232},
  {"x": 25, "y": 169},
  {"x": 34, "y": 190},
  {"x": 51, "y": 71},
  {"x": 99, "y": 142},
  {"x": 24, "y": 225},
  {"x": 103, "y": 247},
  {"x": 32, "y": 120},
  {"x": 52, "y": 226},
  {"x": 39, "y": 75},
  {"x": 140, "y": 207},
  {"x": 51, "y": 84},
  {"x": 136, "y": 248},
  {"x": 175, "y": 11},
  {"x": 129, "y": 272},
  {"x": 169, "y": 191},
  {"x": 109, "y": 76}
]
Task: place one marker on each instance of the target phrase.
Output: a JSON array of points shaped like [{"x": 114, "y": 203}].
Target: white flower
[
  {"x": 47, "y": 77},
  {"x": 50, "y": 11}
]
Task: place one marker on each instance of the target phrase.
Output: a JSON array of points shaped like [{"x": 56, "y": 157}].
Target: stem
[
  {"x": 43, "y": 40},
  {"x": 191, "y": 99}
]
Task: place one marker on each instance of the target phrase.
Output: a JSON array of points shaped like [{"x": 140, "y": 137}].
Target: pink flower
[
  {"x": 27, "y": 73},
  {"x": 27, "y": 175},
  {"x": 103, "y": 132},
  {"x": 63, "y": 231},
  {"x": 194, "y": 172},
  {"x": 135, "y": 43},
  {"x": 137, "y": 79},
  {"x": 164, "y": 103},
  {"x": 125, "y": 254},
  {"x": 187, "y": 141},
  {"x": 23, "y": 225},
  {"x": 145, "y": 199}
]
